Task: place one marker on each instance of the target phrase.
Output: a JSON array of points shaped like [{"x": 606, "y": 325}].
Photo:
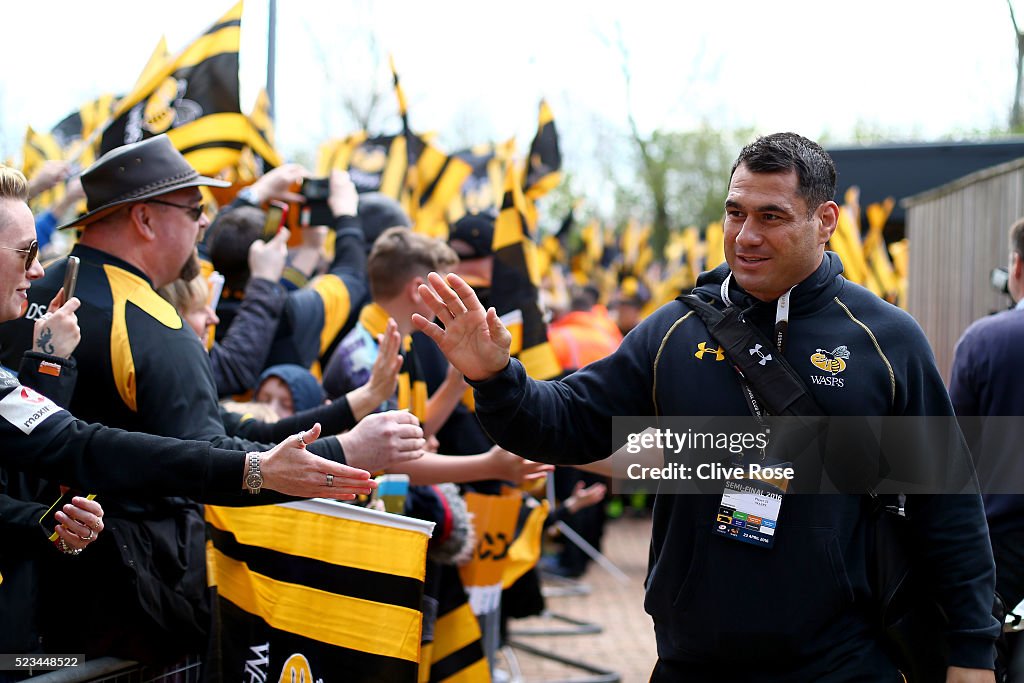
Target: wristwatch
[
  {"x": 254, "y": 480},
  {"x": 250, "y": 195}
]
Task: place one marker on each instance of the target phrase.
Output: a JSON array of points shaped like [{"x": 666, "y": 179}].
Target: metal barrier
[{"x": 113, "y": 670}]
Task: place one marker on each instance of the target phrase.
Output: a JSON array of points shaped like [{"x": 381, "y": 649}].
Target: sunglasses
[
  {"x": 30, "y": 253},
  {"x": 193, "y": 212}
]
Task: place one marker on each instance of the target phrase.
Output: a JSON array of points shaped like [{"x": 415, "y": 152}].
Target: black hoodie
[{"x": 799, "y": 608}]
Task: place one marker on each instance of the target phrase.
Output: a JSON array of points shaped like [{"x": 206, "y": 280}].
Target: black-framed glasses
[
  {"x": 30, "y": 253},
  {"x": 193, "y": 212}
]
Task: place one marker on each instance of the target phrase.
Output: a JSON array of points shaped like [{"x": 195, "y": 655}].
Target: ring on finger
[
  {"x": 92, "y": 535},
  {"x": 330, "y": 480},
  {"x": 302, "y": 442}
]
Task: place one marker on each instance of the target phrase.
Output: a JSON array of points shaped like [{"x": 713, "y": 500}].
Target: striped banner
[{"x": 317, "y": 590}]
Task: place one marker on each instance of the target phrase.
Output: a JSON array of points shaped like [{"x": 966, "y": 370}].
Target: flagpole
[{"x": 271, "y": 53}]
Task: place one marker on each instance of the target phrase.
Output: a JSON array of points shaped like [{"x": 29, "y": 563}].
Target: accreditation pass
[{"x": 749, "y": 511}]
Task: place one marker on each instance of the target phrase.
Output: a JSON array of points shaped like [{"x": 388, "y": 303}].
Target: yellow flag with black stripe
[
  {"x": 193, "y": 97},
  {"x": 544, "y": 165},
  {"x": 375, "y": 164},
  {"x": 482, "y": 189},
  {"x": 261, "y": 140},
  {"x": 515, "y": 283},
  {"x": 37, "y": 149},
  {"x": 319, "y": 589},
  {"x": 456, "y": 654},
  {"x": 77, "y": 132},
  {"x": 430, "y": 187}
]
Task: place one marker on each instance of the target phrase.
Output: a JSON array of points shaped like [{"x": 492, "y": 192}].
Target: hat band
[{"x": 138, "y": 192}]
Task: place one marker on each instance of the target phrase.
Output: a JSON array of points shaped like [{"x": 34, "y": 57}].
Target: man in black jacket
[
  {"x": 722, "y": 609},
  {"x": 141, "y": 369},
  {"x": 38, "y": 438}
]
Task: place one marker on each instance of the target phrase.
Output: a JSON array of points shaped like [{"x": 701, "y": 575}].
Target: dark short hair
[
  {"x": 232, "y": 235},
  {"x": 782, "y": 152},
  {"x": 583, "y": 298},
  {"x": 1017, "y": 237}
]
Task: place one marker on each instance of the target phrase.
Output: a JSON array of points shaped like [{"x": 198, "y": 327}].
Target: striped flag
[
  {"x": 544, "y": 165},
  {"x": 317, "y": 590},
  {"x": 515, "y": 284},
  {"x": 482, "y": 189},
  {"x": 456, "y": 654},
  {"x": 36, "y": 150},
  {"x": 261, "y": 138},
  {"x": 193, "y": 97},
  {"x": 375, "y": 164}
]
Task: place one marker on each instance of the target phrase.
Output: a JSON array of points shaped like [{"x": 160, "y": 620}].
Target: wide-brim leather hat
[{"x": 135, "y": 173}]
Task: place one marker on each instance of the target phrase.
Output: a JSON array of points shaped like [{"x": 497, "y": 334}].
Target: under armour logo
[
  {"x": 703, "y": 348},
  {"x": 757, "y": 350}
]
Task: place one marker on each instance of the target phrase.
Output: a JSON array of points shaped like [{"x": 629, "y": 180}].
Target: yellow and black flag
[
  {"x": 193, "y": 97},
  {"x": 431, "y": 185},
  {"x": 432, "y": 178},
  {"x": 375, "y": 164},
  {"x": 37, "y": 149},
  {"x": 77, "y": 132},
  {"x": 482, "y": 189},
  {"x": 261, "y": 140},
  {"x": 515, "y": 283},
  {"x": 456, "y": 654},
  {"x": 317, "y": 590},
  {"x": 544, "y": 165}
]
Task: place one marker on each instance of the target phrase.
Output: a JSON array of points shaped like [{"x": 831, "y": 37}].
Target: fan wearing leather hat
[{"x": 142, "y": 369}]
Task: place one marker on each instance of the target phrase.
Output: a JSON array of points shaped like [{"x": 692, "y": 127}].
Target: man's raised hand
[{"x": 473, "y": 339}]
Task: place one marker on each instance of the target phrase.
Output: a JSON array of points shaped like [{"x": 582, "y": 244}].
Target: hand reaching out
[
  {"x": 473, "y": 339},
  {"x": 383, "y": 380},
  {"x": 381, "y": 440},
  {"x": 290, "y": 469}
]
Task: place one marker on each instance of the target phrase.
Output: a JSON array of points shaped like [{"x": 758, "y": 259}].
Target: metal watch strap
[{"x": 254, "y": 479}]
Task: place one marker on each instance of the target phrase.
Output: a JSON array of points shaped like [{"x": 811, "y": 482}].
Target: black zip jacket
[{"x": 800, "y": 607}]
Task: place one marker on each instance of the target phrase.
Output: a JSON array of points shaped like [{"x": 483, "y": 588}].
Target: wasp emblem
[{"x": 833, "y": 361}]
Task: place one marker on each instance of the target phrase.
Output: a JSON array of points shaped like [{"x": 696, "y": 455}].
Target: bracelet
[{"x": 66, "y": 549}]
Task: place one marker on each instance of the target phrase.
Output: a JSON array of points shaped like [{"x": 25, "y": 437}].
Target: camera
[
  {"x": 316, "y": 210},
  {"x": 1000, "y": 280}
]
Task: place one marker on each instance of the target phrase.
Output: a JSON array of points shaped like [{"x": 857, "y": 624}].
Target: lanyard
[
  {"x": 781, "y": 326},
  {"x": 781, "y": 312}
]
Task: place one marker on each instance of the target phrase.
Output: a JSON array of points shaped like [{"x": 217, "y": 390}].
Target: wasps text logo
[
  {"x": 831, "y": 361},
  {"x": 702, "y": 348}
]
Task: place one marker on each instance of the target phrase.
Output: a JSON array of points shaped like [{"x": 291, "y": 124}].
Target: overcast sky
[{"x": 473, "y": 71}]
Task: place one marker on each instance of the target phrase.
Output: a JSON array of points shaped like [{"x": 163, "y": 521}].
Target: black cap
[{"x": 476, "y": 230}]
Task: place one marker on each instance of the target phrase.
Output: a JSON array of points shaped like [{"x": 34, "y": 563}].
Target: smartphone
[
  {"x": 316, "y": 211},
  {"x": 48, "y": 522},
  {"x": 277, "y": 215},
  {"x": 70, "y": 277}
]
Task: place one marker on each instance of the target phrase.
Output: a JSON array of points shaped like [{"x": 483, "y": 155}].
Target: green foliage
[{"x": 681, "y": 179}]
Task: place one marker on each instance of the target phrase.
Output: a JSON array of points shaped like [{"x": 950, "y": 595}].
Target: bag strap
[{"x": 771, "y": 378}]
